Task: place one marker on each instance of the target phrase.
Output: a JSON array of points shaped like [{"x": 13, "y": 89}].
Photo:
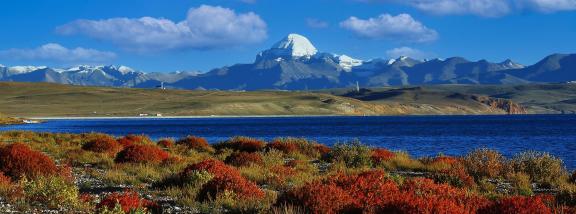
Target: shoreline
[{"x": 263, "y": 116}]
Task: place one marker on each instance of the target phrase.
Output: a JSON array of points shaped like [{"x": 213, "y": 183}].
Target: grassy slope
[
  {"x": 45, "y": 100},
  {"x": 545, "y": 98}
]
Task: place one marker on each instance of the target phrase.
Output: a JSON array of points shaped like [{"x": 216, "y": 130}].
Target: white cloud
[
  {"x": 316, "y": 23},
  {"x": 59, "y": 53},
  {"x": 401, "y": 27},
  {"x": 485, "y": 8},
  {"x": 205, "y": 27},
  {"x": 409, "y": 52},
  {"x": 547, "y": 6},
  {"x": 488, "y": 8}
]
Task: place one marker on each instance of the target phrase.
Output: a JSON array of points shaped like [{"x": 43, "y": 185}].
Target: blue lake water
[{"x": 419, "y": 135}]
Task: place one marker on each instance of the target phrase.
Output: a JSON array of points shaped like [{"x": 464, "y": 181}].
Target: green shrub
[
  {"x": 521, "y": 183},
  {"x": 353, "y": 154},
  {"x": 484, "y": 163},
  {"x": 542, "y": 168},
  {"x": 52, "y": 191}
]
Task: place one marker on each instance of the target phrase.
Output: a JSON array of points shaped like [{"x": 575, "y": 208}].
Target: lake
[{"x": 418, "y": 135}]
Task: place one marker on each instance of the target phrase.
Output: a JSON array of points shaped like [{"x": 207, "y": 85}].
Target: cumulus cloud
[
  {"x": 58, "y": 53},
  {"x": 205, "y": 27},
  {"x": 401, "y": 27},
  {"x": 316, "y": 23},
  {"x": 409, "y": 52},
  {"x": 485, "y": 8}
]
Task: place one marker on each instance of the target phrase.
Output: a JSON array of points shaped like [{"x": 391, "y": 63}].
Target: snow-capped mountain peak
[
  {"x": 293, "y": 46},
  {"x": 298, "y": 45}
]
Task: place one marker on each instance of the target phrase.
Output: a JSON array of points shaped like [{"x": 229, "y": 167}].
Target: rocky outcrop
[{"x": 508, "y": 106}]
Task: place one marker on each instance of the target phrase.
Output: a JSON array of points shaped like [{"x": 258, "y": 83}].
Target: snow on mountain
[
  {"x": 347, "y": 63},
  {"x": 509, "y": 64},
  {"x": 24, "y": 69},
  {"x": 293, "y": 46},
  {"x": 297, "y": 45}
]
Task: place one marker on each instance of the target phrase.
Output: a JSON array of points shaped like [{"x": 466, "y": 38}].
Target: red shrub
[
  {"x": 367, "y": 189},
  {"x": 319, "y": 197},
  {"x": 518, "y": 205},
  {"x": 243, "y": 144},
  {"x": 381, "y": 155},
  {"x": 4, "y": 180},
  {"x": 166, "y": 143},
  {"x": 244, "y": 159},
  {"x": 18, "y": 160},
  {"x": 424, "y": 195},
  {"x": 128, "y": 140},
  {"x": 279, "y": 175},
  {"x": 226, "y": 178},
  {"x": 322, "y": 149},
  {"x": 139, "y": 153},
  {"x": 446, "y": 160},
  {"x": 196, "y": 143},
  {"x": 129, "y": 201},
  {"x": 103, "y": 145},
  {"x": 285, "y": 147}
]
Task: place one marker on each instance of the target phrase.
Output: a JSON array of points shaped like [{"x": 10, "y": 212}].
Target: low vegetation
[{"x": 97, "y": 173}]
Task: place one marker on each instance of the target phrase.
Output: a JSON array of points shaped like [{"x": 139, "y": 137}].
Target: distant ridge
[{"x": 294, "y": 63}]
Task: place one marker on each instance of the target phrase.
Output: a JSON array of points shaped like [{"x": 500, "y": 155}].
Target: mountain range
[{"x": 294, "y": 63}]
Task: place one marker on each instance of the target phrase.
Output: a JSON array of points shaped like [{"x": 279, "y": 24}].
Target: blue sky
[{"x": 201, "y": 35}]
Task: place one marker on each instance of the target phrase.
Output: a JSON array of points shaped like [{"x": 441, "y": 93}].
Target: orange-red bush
[
  {"x": 373, "y": 192},
  {"x": 139, "y": 153},
  {"x": 4, "y": 180},
  {"x": 381, "y": 155},
  {"x": 243, "y": 144},
  {"x": 445, "y": 160},
  {"x": 166, "y": 143},
  {"x": 105, "y": 144},
  {"x": 129, "y": 201},
  {"x": 226, "y": 178},
  {"x": 320, "y": 197},
  {"x": 196, "y": 143},
  {"x": 18, "y": 160},
  {"x": 285, "y": 147},
  {"x": 322, "y": 149},
  {"x": 128, "y": 140},
  {"x": 244, "y": 159},
  {"x": 518, "y": 205}
]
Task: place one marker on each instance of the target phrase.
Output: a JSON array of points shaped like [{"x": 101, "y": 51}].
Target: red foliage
[
  {"x": 321, "y": 197},
  {"x": 104, "y": 144},
  {"x": 4, "y": 180},
  {"x": 129, "y": 201},
  {"x": 226, "y": 178},
  {"x": 196, "y": 143},
  {"x": 322, "y": 149},
  {"x": 518, "y": 205},
  {"x": 128, "y": 140},
  {"x": 139, "y": 153},
  {"x": 373, "y": 192},
  {"x": 18, "y": 160},
  {"x": 244, "y": 144},
  {"x": 166, "y": 143},
  {"x": 244, "y": 159},
  {"x": 381, "y": 155},
  {"x": 280, "y": 174},
  {"x": 446, "y": 160},
  {"x": 285, "y": 147}
]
